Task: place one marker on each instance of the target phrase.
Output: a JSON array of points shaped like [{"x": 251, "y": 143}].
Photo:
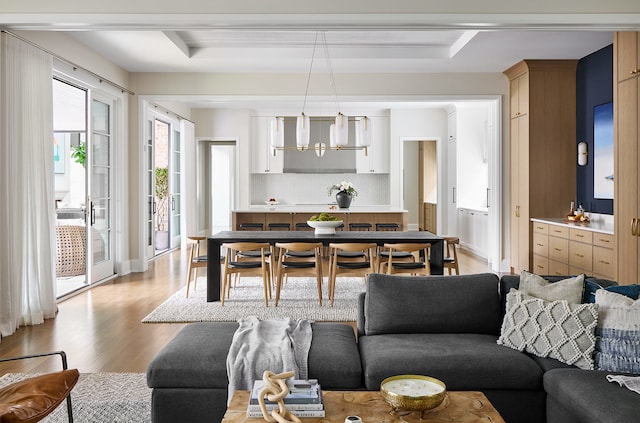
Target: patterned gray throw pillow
[{"x": 555, "y": 329}]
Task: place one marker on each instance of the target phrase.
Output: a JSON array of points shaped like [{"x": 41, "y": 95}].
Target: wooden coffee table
[{"x": 459, "y": 406}]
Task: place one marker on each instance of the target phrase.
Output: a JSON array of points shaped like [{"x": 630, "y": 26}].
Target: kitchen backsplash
[{"x": 312, "y": 188}]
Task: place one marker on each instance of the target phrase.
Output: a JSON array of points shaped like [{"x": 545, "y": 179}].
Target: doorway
[
  {"x": 163, "y": 167},
  {"x": 216, "y": 183}
]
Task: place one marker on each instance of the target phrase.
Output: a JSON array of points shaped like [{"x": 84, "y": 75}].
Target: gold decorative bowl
[{"x": 413, "y": 392}]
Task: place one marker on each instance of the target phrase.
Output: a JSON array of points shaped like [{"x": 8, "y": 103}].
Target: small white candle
[{"x": 413, "y": 387}]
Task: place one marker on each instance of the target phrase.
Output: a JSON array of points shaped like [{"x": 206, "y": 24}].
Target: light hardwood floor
[{"x": 100, "y": 329}]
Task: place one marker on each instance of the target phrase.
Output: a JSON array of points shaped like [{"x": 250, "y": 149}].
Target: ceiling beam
[{"x": 178, "y": 42}]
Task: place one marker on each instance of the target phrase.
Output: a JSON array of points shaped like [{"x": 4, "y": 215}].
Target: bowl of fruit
[{"x": 324, "y": 223}]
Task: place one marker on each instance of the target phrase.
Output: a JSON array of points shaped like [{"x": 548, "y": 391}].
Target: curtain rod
[
  {"x": 170, "y": 112},
  {"x": 75, "y": 66}
]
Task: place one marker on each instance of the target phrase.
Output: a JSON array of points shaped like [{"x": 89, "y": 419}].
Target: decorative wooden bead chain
[{"x": 275, "y": 389}]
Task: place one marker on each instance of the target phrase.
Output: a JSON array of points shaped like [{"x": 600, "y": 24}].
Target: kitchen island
[{"x": 300, "y": 213}]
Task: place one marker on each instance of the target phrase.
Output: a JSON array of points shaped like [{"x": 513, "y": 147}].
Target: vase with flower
[{"x": 345, "y": 193}]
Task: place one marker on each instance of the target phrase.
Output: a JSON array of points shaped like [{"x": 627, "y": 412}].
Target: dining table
[{"x": 215, "y": 241}]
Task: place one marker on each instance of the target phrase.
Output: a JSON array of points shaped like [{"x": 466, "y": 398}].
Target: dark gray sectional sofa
[{"x": 445, "y": 327}]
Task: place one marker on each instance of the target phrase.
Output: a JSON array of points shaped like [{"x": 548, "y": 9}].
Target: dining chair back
[
  {"x": 345, "y": 265},
  {"x": 235, "y": 264},
  {"x": 290, "y": 265},
  {"x": 420, "y": 266},
  {"x": 196, "y": 260}
]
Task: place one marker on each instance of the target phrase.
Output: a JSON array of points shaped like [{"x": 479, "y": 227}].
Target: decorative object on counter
[
  {"x": 272, "y": 202},
  {"x": 413, "y": 392},
  {"x": 346, "y": 192},
  {"x": 582, "y": 154},
  {"x": 324, "y": 223}
]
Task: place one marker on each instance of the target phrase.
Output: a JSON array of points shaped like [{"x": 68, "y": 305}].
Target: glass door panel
[{"x": 174, "y": 183}]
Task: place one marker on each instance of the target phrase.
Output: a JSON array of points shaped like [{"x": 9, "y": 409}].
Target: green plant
[
  {"x": 343, "y": 186},
  {"x": 162, "y": 194},
  {"x": 79, "y": 153}
]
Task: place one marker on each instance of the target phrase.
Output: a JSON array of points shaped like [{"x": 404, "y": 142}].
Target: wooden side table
[{"x": 459, "y": 406}]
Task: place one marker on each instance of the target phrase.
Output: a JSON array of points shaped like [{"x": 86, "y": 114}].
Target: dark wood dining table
[{"x": 214, "y": 242}]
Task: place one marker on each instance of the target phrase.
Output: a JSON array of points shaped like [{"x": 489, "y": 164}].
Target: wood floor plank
[{"x": 100, "y": 329}]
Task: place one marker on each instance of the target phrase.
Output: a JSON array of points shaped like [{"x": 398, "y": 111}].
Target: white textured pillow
[
  {"x": 555, "y": 329},
  {"x": 569, "y": 290},
  {"x": 618, "y": 333}
]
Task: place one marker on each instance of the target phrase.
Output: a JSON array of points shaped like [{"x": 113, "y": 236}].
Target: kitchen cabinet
[
  {"x": 542, "y": 161},
  {"x": 627, "y": 154},
  {"x": 473, "y": 230},
  {"x": 376, "y": 157},
  {"x": 262, "y": 158}
]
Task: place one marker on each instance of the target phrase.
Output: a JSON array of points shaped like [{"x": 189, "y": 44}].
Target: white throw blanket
[
  {"x": 631, "y": 382},
  {"x": 278, "y": 345}
]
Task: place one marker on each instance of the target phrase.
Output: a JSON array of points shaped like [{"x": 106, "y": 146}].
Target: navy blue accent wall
[{"x": 594, "y": 86}]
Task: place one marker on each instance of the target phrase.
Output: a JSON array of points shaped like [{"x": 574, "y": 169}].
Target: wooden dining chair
[
  {"x": 344, "y": 266},
  {"x": 416, "y": 267},
  {"x": 235, "y": 264},
  {"x": 196, "y": 260},
  {"x": 451, "y": 258},
  {"x": 383, "y": 253},
  {"x": 290, "y": 265}
]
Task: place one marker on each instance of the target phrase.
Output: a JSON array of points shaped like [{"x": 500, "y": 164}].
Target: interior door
[
  {"x": 149, "y": 248},
  {"x": 100, "y": 182}
]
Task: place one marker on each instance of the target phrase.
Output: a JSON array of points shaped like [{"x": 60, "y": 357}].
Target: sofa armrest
[{"x": 360, "y": 315}]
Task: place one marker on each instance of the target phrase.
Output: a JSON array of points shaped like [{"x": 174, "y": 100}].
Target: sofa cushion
[
  {"x": 591, "y": 286},
  {"x": 570, "y": 289},
  {"x": 553, "y": 329},
  {"x": 618, "y": 333},
  {"x": 432, "y": 304},
  {"x": 461, "y": 361},
  {"x": 196, "y": 357},
  {"x": 590, "y": 397}
]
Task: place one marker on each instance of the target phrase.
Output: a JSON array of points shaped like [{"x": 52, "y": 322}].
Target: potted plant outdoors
[
  {"x": 79, "y": 153},
  {"x": 346, "y": 192},
  {"x": 162, "y": 209}
]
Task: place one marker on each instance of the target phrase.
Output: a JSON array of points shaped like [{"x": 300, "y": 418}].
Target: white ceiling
[{"x": 361, "y": 51}]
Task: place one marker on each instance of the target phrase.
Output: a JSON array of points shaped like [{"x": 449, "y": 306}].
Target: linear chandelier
[{"x": 339, "y": 130}]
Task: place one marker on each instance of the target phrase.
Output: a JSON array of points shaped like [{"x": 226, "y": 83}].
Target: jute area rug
[
  {"x": 298, "y": 300},
  {"x": 101, "y": 397}
]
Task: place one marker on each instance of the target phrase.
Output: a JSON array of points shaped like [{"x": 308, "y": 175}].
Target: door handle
[
  {"x": 93, "y": 214},
  {"x": 154, "y": 207},
  {"x": 454, "y": 194},
  {"x": 488, "y": 198},
  {"x": 173, "y": 203}
]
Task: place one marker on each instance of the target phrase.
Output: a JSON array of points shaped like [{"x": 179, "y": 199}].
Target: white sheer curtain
[{"x": 27, "y": 212}]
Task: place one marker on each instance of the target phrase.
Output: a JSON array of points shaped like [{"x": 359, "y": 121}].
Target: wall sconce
[{"x": 582, "y": 154}]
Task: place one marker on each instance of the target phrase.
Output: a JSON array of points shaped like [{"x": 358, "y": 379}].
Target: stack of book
[{"x": 303, "y": 400}]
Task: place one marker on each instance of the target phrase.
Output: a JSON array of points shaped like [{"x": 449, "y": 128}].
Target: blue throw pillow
[{"x": 590, "y": 288}]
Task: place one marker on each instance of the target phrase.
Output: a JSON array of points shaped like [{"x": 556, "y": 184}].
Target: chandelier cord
[
  {"x": 331, "y": 79},
  {"x": 313, "y": 54}
]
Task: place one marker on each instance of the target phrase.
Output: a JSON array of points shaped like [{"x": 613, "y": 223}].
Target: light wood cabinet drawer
[
  {"x": 540, "y": 245},
  {"x": 557, "y": 268},
  {"x": 559, "y": 249},
  {"x": 580, "y": 255},
  {"x": 604, "y": 262},
  {"x": 540, "y": 228},
  {"x": 560, "y": 231},
  {"x": 540, "y": 265},
  {"x": 581, "y": 236},
  {"x": 603, "y": 240}
]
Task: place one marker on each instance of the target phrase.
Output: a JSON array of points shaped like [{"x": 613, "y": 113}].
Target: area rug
[
  {"x": 101, "y": 397},
  {"x": 298, "y": 300}
]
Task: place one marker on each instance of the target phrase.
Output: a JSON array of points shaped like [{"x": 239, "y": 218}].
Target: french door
[{"x": 99, "y": 193}]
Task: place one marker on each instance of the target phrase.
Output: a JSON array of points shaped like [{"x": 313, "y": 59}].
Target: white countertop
[
  {"x": 593, "y": 226},
  {"x": 318, "y": 208}
]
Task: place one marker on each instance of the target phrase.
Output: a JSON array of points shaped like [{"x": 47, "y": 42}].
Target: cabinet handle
[
  {"x": 579, "y": 255},
  {"x": 633, "y": 227},
  {"x": 454, "y": 194},
  {"x": 517, "y": 211},
  {"x": 539, "y": 245},
  {"x": 539, "y": 227},
  {"x": 540, "y": 266},
  {"x": 604, "y": 262},
  {"x": 579, "y": 236},
  {"x": 604, "y": 240},
  {"x": 557, "y": 231},
  {"x": 633, "y": 72},
  {"x": 558, "y": 249}
]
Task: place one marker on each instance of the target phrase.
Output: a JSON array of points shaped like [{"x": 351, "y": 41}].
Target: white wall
[
  {"x": 472, "y": 169},
  {"x": 408, "y": 125}
]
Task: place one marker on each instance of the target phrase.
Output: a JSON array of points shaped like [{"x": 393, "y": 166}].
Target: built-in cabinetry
[
  {"x": 543, "y": 133},
  {"x": 626, "y": 62},
  {"x": 452, "y": 177},
  {"x": 429, "y": 217},
  {"x": 564, "y": 250},
  {"x": 473, "y": 230},
  {"x": 376, "y": 157},
  {"x": 262, "y": 158}
]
